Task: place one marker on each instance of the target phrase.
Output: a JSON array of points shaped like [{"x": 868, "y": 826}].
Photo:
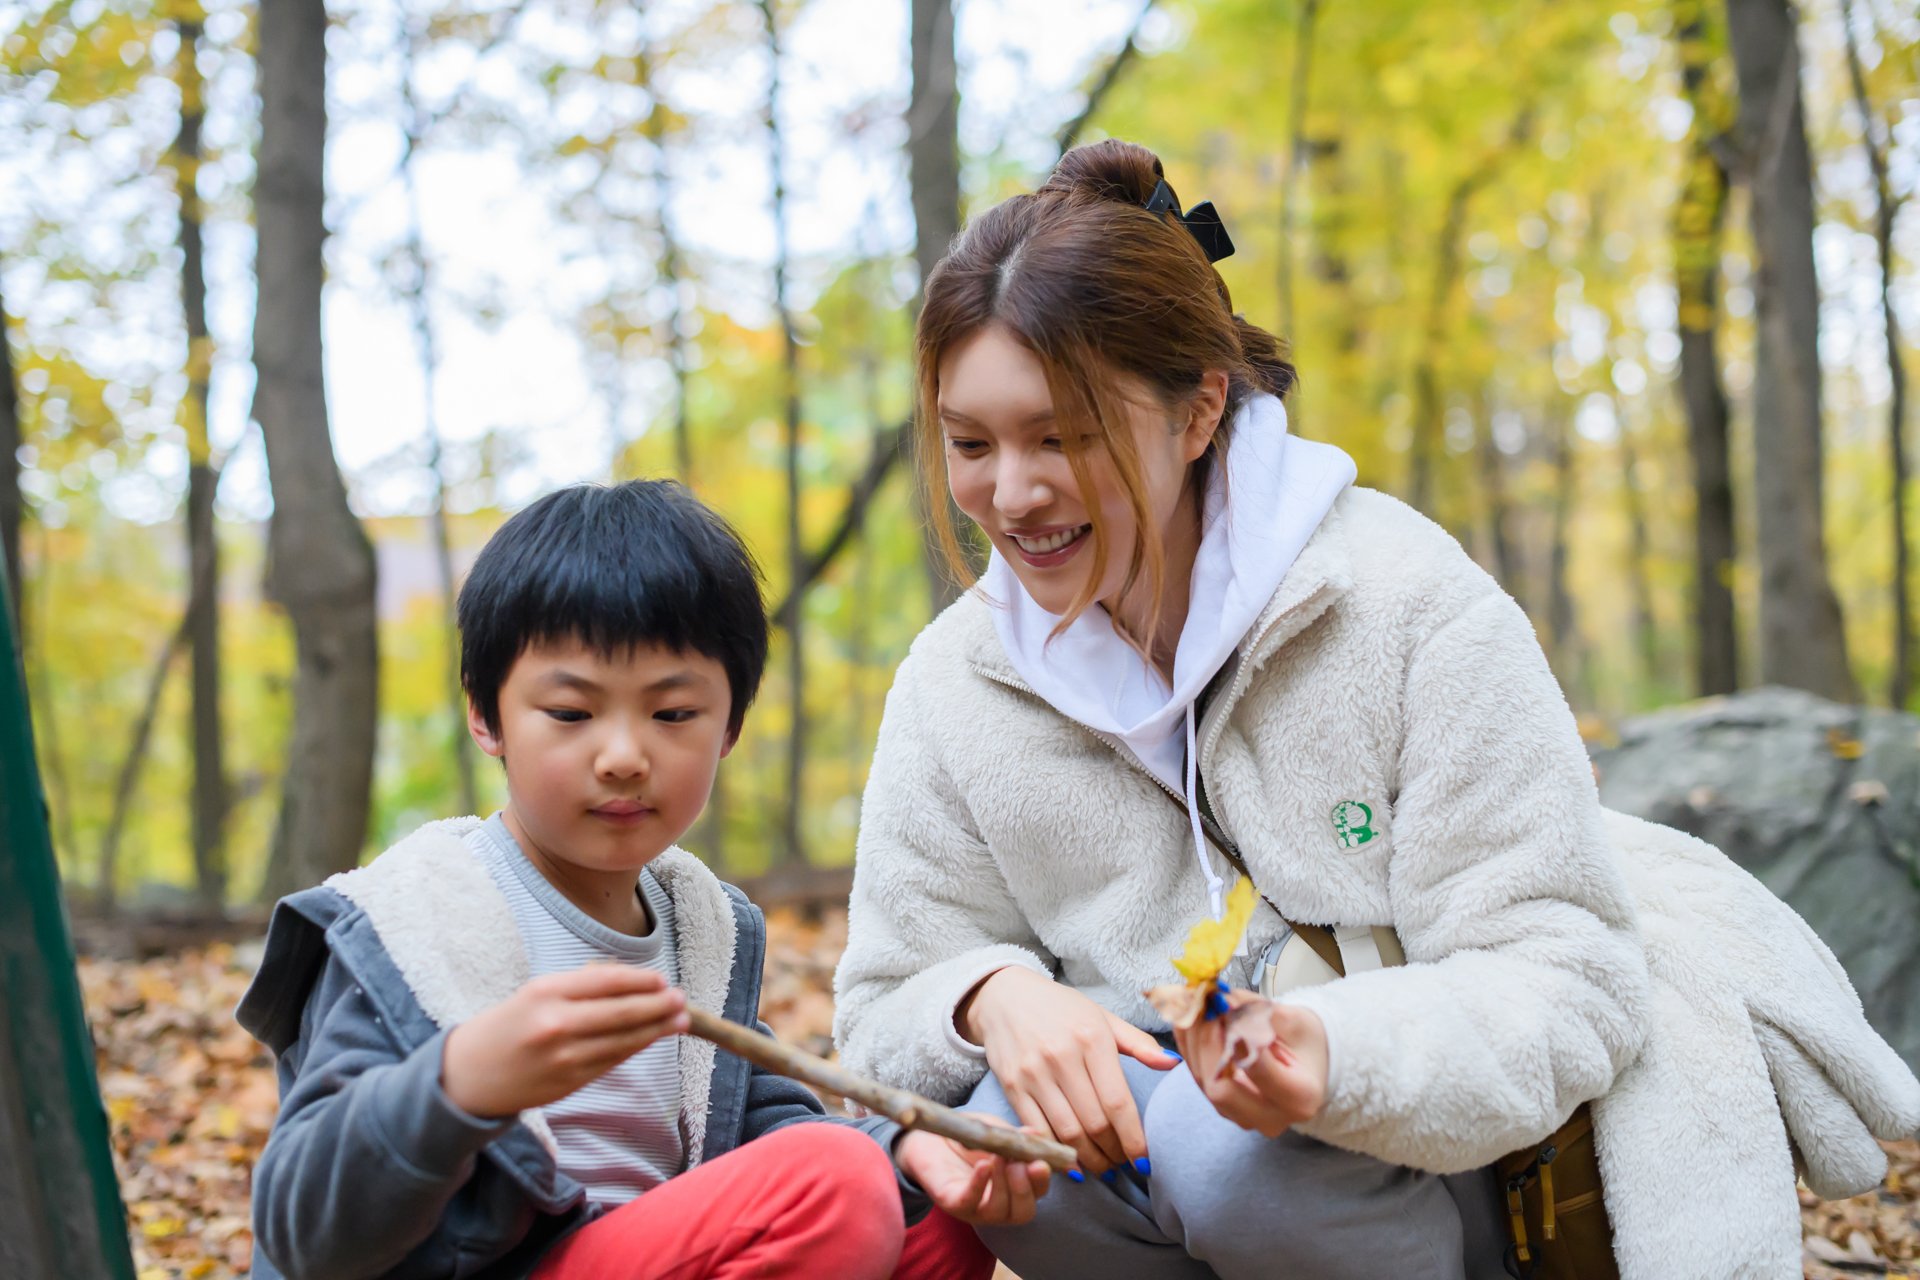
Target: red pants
[{"x": 812, "y": 1200}]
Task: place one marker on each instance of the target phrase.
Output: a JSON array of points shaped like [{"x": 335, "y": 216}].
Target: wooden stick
[{"x": 909, "y": 1109}]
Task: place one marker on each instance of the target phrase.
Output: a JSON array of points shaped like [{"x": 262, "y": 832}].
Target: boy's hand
[
  {"x": 1283, "y": 1086},
  {"x": 555, "y": 1034},
  {"x": 973, "y": 1186}
]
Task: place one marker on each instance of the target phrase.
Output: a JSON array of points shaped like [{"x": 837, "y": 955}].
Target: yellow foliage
[{"x": 1212, "y": 943}]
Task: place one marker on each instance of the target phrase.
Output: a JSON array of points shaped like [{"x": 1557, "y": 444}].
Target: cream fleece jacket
[{"x": 1388, "y": 747}]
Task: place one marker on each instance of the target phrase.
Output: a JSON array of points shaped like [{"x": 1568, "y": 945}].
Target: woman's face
[{"x": 1009, "y": 474}]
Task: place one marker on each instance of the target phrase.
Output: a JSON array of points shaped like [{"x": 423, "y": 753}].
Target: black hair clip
[{"x": 1202, "y": 222}]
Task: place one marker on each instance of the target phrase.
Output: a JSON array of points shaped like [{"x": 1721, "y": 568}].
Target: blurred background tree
[{"x": 1618, "y": 292}]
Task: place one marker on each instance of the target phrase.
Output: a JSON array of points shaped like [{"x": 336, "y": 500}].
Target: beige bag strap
[{"x": 1319, "y": 937}]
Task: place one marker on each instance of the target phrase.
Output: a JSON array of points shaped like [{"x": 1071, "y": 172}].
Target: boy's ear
[
  {"x": 490, "y": 742},
  {"x": 727, "y": 746}
]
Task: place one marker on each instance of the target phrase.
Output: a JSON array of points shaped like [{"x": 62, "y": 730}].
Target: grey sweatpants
[{"x": 1224, "y": 1202}]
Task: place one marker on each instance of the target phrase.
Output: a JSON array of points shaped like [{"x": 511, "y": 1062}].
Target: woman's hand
[
  {"x": 1057, "y": 1057},
  {"x": 1284, "y": 1085},
  {"x": 973, "y": 1186}
]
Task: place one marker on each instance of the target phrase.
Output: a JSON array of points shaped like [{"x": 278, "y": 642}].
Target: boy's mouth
[{"x": 621, "y": 811}]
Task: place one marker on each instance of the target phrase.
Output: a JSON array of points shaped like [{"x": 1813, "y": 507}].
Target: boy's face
[{"x": 609, "y": 759}]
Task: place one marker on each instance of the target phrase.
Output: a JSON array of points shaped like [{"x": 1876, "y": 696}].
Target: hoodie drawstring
[{"x": 1216, "y": 887}]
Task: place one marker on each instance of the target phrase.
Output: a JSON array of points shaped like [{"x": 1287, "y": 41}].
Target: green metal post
[{"x": 60, "y": 1212}]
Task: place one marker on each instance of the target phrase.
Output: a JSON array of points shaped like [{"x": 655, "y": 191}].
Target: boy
[{"x": 477, "y": 1033}]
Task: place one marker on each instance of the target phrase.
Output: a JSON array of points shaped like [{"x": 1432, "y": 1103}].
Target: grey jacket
[{"x": 370, "y": 1170}]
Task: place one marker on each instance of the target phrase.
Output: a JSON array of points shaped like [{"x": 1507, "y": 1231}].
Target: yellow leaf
[
  {"x": 1844, "y": 745},
  {"x": 160, "y": 1228},
  {"x": 1212, "y": 942}
]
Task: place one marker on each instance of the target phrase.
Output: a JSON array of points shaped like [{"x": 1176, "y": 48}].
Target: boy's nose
[{"x": 622, "y": 756}]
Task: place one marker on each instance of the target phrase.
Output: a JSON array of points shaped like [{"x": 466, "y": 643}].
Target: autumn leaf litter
[{"x": 190, "y": 1098}]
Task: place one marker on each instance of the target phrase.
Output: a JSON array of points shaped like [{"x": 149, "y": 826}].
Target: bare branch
[
  {"x": 909, "y": 1109},
  {"x": 888, "y": 448},
  {"x": 1108, "y": 78}
]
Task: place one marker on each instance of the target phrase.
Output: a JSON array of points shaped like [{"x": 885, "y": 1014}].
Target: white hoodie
[{"x": 1281, "y": 488}]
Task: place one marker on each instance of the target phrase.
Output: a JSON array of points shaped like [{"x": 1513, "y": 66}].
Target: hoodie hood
[{"x": 1259, "y": 511}]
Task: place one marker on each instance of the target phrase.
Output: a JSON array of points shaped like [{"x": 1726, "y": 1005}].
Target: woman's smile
[{"x": 1045, "y": 549}]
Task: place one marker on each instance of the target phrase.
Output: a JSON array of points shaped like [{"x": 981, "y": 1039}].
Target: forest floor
[{"x": 190, "y": 1097}]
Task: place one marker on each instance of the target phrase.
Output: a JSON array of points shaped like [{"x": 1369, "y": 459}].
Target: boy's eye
[
  {"x": 567, "y": 715},
  {"x": 678, "y": 715}
]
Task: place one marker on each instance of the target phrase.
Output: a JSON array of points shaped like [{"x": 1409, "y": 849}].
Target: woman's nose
[{"x": 1019, "y": 489}]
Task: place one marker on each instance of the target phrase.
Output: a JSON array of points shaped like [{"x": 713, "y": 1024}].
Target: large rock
[{"x": 1820, "y": 801}]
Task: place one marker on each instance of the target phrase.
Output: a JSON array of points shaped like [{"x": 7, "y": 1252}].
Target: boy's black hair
[{"x": 613, "y": 566}]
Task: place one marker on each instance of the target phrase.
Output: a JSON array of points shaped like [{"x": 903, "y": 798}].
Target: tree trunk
[
  {"x": 11, "y": 506},
  {"x": 34, "y": 613},
  {"x": 1699, "y": 224},
  {"x": 420, "y": 310},
  {"x": 1639, "y": 553},
  {"x": 795, "y": 852},
  {"x": 1493, "y": 488},
  {"x": 1561, "y": 623},
  {"x": 1428, "y": 429},
  {"x": 320, "y": 565},
  {"x": 670, "y": 276},
  {"x": 1802, "y": 635},
  {"x": 1329, "y": 260},
  {"x": 106, "y": 871},
  {"x": 1886, "y": 210},
  {"x": 203, "y": 550},
  {"x": 1291, "y": 175},
  {"x": 933, "y": 179}
]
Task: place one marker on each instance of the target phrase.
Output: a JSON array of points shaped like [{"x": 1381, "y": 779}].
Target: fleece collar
[
  {"x": 1258, "y": 518},
  {"x": 450, "y": 932}
]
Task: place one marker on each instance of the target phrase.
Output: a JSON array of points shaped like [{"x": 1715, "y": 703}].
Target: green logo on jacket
[{"x": 1352, "y": 823}]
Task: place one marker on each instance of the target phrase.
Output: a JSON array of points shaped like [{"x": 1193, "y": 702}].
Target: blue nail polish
[
  {"x": 1222, "y": 984},
  {"x": 1171, "y": 1054},
  {"x": 1108, "y": 1177},
  {"x": 1074, "y": 1175},
  {"x": 1145, "y": 1166}
]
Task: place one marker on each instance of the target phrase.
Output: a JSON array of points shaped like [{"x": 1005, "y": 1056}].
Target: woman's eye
[
  {"x": 966, "y": 448},
  {"x": 567, "y": 715}
]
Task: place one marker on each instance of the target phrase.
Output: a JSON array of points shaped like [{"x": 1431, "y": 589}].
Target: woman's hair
[{"x": 1093, "y": 284}]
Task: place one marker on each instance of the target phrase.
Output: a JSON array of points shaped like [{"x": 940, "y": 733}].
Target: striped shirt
[{"x": 619, "y": 1135}]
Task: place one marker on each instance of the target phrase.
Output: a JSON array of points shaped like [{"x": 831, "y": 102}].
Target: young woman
[{"x": 1190, "y": 615}]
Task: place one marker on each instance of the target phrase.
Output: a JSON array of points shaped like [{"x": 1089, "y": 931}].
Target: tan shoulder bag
[{"x": 1557, "y": 1222}]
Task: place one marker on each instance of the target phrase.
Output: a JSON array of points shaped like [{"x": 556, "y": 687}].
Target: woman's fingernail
[
  {"x": 1171, "y": 1054},
  {"x": 1144, "y": 1165},
  {"x": 1108, "y": 1177},
  {"x": 1074, "y": 1175}
]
